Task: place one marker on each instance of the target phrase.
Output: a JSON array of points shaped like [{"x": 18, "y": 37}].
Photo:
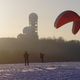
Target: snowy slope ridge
[{"x": 39, "y": 71}]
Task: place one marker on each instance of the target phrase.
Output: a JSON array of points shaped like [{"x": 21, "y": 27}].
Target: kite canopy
[
  {"x": 76, "y": 27},
  {"x": 66, "y": 17}
]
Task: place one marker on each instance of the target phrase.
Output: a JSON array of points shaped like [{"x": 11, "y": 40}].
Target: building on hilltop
[{"x": 31, "y": 31}]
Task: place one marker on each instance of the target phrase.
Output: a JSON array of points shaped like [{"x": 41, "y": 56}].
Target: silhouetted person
[
  {"x": 42, "y": 57},
  {"x": 26, "y": 57}
]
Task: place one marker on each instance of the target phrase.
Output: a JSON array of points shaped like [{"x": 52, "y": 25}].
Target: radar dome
[{"x": 33, "y": 19}]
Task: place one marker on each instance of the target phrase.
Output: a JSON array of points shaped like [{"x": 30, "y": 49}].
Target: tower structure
[
  {"x": 33, "y": 22},
  {"x": 31, "y": 31}
]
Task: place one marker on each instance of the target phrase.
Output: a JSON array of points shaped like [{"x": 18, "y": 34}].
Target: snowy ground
[{"x": 39, "y": 71}]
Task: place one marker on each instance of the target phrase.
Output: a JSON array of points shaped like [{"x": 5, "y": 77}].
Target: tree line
[{"x": 13, "y": 49}]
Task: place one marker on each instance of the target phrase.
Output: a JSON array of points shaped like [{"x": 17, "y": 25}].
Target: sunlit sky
[{"x": 14, "y": 17}]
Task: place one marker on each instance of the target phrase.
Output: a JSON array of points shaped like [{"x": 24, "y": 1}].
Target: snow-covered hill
[{"x": 39, "y": 71}]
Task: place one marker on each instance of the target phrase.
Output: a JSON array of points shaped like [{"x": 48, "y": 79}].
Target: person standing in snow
[
  {"x": 42, "y": 57},
  {"x": 26, "y": 57}
]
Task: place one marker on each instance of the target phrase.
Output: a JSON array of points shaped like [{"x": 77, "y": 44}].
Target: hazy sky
[{"x": 14, "y": 17}]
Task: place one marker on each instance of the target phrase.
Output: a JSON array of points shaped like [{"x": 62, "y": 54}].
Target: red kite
[
  {"x": 76, "y": 27},
  {"x": 66, "y": 17}
]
